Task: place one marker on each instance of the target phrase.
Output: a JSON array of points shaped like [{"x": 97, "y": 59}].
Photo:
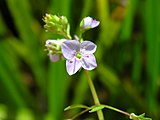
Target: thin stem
[
  {"x": 68, "y": 37},
  {"x": 117, "y": 110},
  {"x": 80, "y": 36},
  {"x": 94, "y": 94},
  {"x": 74, "y": 117}
]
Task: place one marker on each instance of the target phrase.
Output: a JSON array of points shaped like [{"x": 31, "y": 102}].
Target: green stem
[
  {"x": 74, "y": 117},
  {"x": 80, "y": 36},
  {"x": 94, "y": 94},
  {"x": 117, "y": 110}
]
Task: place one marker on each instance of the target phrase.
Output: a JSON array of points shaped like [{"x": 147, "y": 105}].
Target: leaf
[
  {"x": 96, "y": 108},
  {"x": 139, "y": 117},
  {"x": 76, "y": 106}
]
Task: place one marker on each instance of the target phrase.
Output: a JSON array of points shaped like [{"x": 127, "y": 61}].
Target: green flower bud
[
  {"x": 57, "y": 24},
  {"x": 63, "y": 20}
]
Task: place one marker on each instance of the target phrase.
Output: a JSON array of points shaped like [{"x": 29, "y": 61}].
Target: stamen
[{"x": 78, "y": 55}]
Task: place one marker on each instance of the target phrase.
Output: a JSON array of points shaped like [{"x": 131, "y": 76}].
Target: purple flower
[
  {"x": 79, "y": 55},
  {"x": 88, "y": 23},
  {"x": 54, "y": 49}
]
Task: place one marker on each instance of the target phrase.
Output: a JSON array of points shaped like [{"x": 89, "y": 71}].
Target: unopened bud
[
  {"x": 88, "y": 23},
  {"x": 54, "y": 49},
  {"x": 57, "y": 24}
]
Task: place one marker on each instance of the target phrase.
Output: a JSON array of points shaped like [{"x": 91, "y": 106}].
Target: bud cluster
[{"x": 57, "y": 24}]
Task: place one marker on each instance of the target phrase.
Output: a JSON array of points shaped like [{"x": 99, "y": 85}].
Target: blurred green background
[{"x": 128, "y": 57}]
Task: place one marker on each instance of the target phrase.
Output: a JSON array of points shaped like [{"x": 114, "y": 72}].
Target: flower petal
[
  {"x": 73, "y": 65},
  {"x": 87, "y": 47},
  {"x": 87, "y": 22},
  {"x": 95, "y": 23},
  {"x": 54, "y": 57},
  {"x": 69, "y": 48},
  {"x": 89, "y": 62}
]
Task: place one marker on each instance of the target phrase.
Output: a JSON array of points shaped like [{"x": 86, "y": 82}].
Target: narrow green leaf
[
  {"x": 151, "y": 19},
  {"x": 6, "y": 68},
  {"x": 76, "y": 106},
  {"x": 87, "y": 8},
  {"x": 62, "y": 7},
  {"x": 137, "y": 61},
  {"x": 129, "y": 20},
  {"x": 96, "y": 108},
  {"x": 24, "y": 26},
  {"x": 13, "y": 68}
]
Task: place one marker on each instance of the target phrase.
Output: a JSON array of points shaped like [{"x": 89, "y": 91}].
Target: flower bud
[
  {"x": 54, "y": 49},
  {"x": 88, "y": 23},
  {"x": 63, "y": 20},
  {"x": 57, "y": 24}
]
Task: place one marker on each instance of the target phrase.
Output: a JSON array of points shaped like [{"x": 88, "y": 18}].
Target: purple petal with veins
[
  {"x": 73, "y": 66},
  {"x": 89, "y": 62},
  {"x": 69, "y": 48},
  {"x": 87, "y": 47}
]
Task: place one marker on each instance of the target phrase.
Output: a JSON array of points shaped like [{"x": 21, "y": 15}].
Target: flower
[
  {"x": 88, "y": 23},
  {"x": 54, "y": 49},
  {"x": 79, "y": 55}
]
